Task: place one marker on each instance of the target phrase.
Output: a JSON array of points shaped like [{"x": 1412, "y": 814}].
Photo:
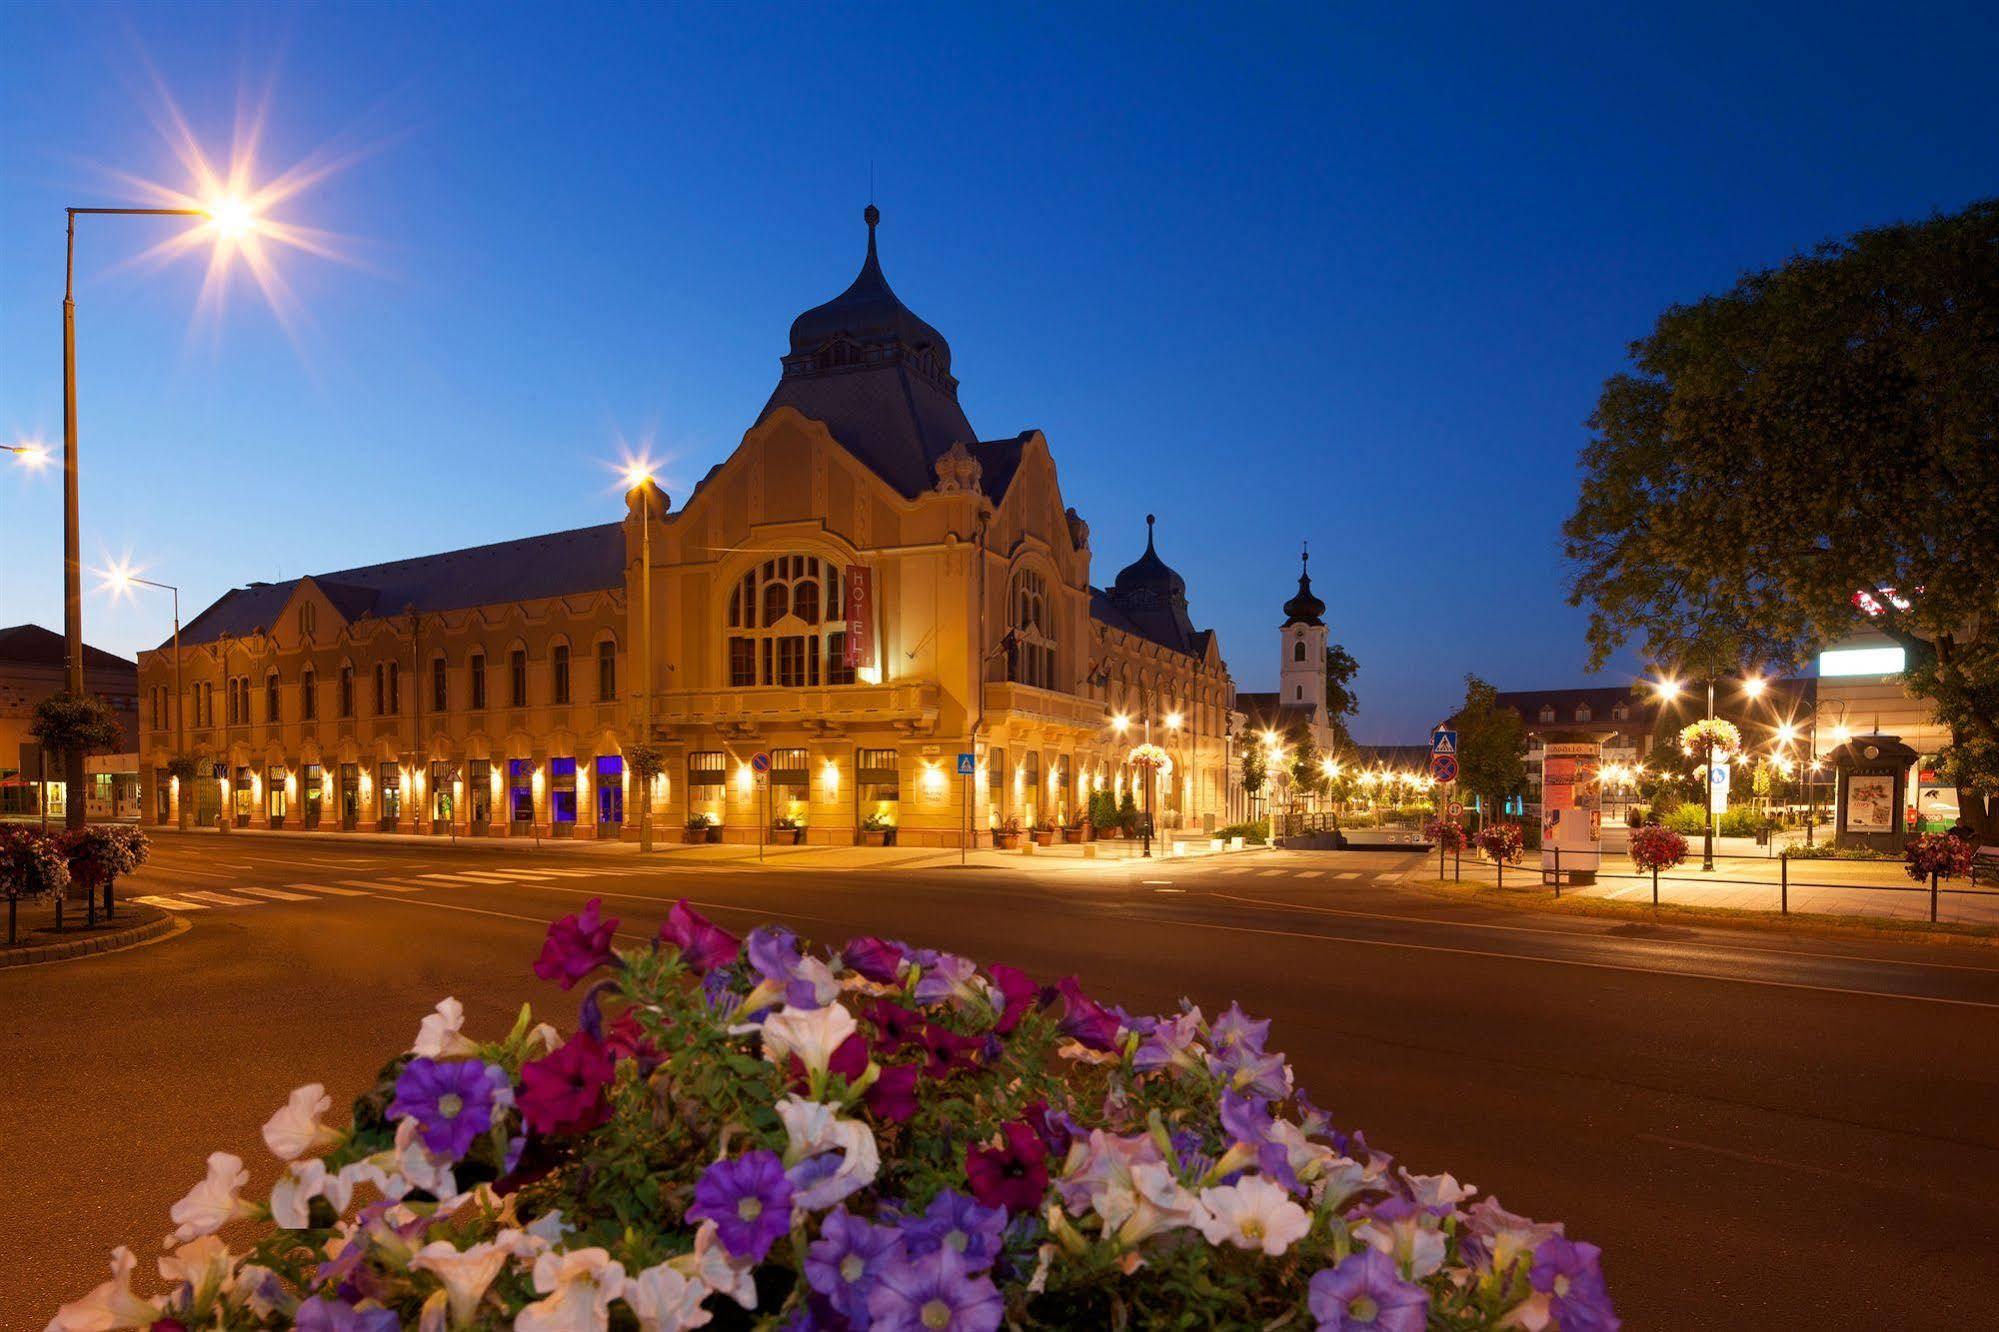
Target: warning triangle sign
[{"x": 1443, "y": 746}]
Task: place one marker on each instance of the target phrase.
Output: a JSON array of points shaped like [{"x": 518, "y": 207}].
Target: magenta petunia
[
  {"x": 1085, "y": 1020},
  {"x": 896, "y": 1027},
  {"x": 1013, "y": 1175},
  {"x": 892, "y": 1098},
  {"x": 564, "y": 1092},
  {"x": 576, "y": 945},
  {"x": 703, "y": 944},
  {"x": 879, "y": 960},
  {"x": 1018, "y": 993}
]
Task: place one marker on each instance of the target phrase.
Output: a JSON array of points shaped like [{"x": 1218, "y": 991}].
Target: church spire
[{"x": 1305, "y": 607}]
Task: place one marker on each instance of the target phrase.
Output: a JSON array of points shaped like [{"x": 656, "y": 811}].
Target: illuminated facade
[{"x": 862, "y": 591}]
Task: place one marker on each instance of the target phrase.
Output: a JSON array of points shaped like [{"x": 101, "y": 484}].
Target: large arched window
[
  {"x": 1298, "y": 650},
  {"x": 784, "y": 628},
  {"x": 1030, "y": 660}
]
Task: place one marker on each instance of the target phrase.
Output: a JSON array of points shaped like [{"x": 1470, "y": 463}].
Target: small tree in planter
[
  {"x": 98, "y": 855},
  {"x": 646, "y": 762},
  {"x": 75, "y": 725},
  {"x": 1103, "y": 813},
  {"x": 182, "y": 769},
  {"x": 1657, "y": 848},
  {"x": 32, "y": 865},
  {"x": 1007, "y": 835},
  {"x": 1127, "y": 815}
]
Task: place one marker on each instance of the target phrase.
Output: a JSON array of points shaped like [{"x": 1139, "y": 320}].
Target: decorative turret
[
  {"x": 1304, "y": 608},
  {"x": 1154, "y": 597},
  {"x": 1302, "y": 643}
]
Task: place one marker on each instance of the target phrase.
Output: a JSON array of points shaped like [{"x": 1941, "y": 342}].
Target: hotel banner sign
[{"x": 860, "y": 616}]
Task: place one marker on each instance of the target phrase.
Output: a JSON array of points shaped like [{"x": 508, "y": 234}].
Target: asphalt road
[{"x": 1761, "y": 1131}]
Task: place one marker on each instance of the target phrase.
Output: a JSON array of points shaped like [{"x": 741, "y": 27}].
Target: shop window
[
  {"x": 790, "y": 786},
  {"x": 562, "y": 792},
  {"x": 308, "y": 694},
  {"x": 389, "y": 792},
  {"x": 707, "y": 784},
  {"x": 877, "y": 783},
  {"x": 607, "y": 671},
  {"x": 441, "y": 794},
  {"x": 1031, "y": 803},
  {"x": 475, "y": 670},
  {"x": 779, "y": 634},
  {"x": 312, "y": 793},
  {"x": 277, "y": 797},
  {"x": 996, "y": 787},
  {"x": 479, "y": 791},
  {"x": 610, "y": 789},
  {"x": 559, "y": 673},
  {"x": 520, "y": 790},
  {"x": 517, "y": 678}
]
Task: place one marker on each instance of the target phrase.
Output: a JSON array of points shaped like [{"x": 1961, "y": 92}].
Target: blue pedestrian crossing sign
[
  {"x": 968, "y": 765},
  {"x": 1443, "y": 740}
]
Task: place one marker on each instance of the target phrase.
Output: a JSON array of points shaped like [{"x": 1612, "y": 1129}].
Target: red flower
[
  {"x": 626, "y": 1039},
  {"x": 893, "y": 1096},
  {"x": 1013, "y": 1175},
  {"x": 576, "y": 945},
  {"x": 946, "y": 1052},
  {"x": 896, "y": 1026},
  {"x": 564, "y": 1092}
]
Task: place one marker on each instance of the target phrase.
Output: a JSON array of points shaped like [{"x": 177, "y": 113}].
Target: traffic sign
[
  {"x": 1444, "y": 767},
  {"x": 968, "y": 765},
  {"x": 760, "y": 763},
  {"x": 1443, "y": 740},
  {"x": 1457, "y": 809}
]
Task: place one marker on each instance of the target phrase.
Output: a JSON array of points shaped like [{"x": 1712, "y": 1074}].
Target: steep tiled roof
[
  {"x": 585, "y": 559},
  {"x": 32, "y": 645}
]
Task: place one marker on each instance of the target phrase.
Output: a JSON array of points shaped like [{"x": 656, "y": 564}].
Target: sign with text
[
  {"x": 1571, "y": 815},
  {"x": 860, "y": 616}
]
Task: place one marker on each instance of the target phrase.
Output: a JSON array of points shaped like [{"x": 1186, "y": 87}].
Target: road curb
[{"x": 145, "y": 932}]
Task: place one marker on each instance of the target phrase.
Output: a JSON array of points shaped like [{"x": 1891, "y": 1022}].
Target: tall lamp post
[
  {"x": 639, "y": 475},
  {"x": 121, "y": 580},
  {"x": 231, "y": 217},
  {"x": 1669, "y": 690}
]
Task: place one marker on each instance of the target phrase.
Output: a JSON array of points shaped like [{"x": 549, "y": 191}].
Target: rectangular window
[
  {"x": 271, "y": 712},
  {"x": 479, "y": 790},
  {"x": 610, "y": 786},
  {"x": 395, "y": 687},
  {"x": 441, "y": 809},
  {"x": 790, "y": 784},
  {"x": 381, "y": 691},
  {"x": 607, "y": 671},
  {"x": 879, "y": 786},
  {"x": 562, "y": 790},
  {"x": 517, "y": 678},
  {"x": 346, "y": 691},
  {"x": 389, "y": 792},
  {"x": 308, "y": 690},
  {"x": 477, "y": 670},
  {"x": 791, "y": 662},
  {"x": 559, "y": 660},
  {"x": 838, "y": 672},
  {"x": 742, "y": 662},
  {"x": 440, "y": 693},
  {"x": 520, "y": 790},
  {"x": 708, "y": 784}
]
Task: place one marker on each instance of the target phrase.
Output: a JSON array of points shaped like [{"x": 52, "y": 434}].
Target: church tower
[{"x": 1302, "y": 677}]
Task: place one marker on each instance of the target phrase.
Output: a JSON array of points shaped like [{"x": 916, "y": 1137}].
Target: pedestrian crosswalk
[{"x": 189, "y": 898}]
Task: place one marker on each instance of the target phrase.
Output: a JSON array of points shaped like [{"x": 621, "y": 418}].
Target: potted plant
[
  {"x": 877, "y": 830},
  {"x": 98, "y": 854},
  {"x": 1081, "y": 830},
  {"x": 786, "y": 830},
  {"x": 700, "y": 829},
  {"x": 1007, "y": 835},
  {"x": 32, "y": 865},
  {"x": 1103, "y": 814},
  {"x": 1046, "y": 833}
]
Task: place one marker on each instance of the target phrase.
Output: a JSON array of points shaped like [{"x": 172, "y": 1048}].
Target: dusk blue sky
[{"x": 1351, "y": 274}]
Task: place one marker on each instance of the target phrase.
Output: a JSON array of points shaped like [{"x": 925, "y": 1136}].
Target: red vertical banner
[{"x": 860, "y": 649}]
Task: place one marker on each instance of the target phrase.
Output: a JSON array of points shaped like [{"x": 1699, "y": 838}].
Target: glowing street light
[
  {"x": 119, "y": 580},
  {"x": 1754, "y": 686},
  {"x": 1173, "y": 720},
  {"x": 1667, "y": 689},
  {"x": 32, "y": 455},
  {"x": 1120, "y": 723}
]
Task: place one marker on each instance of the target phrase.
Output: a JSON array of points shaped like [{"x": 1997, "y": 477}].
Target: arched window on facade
[
  {"x": 1298, "y": 650},
  {"x": 784, "y": 629},
  {"x": 272, "y": 711},
  {"x": 1031, "y": 658}
]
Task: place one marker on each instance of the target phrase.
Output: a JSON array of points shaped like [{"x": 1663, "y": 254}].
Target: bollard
[
  {"x": 1784, "y": 885},
  {"x": 1558, "y": 873},
  {"x": 1933, "y": 897},
  {"x": 1655, "y": 885},
  {"x": 1440, "y": 857},
  {"x": 1457, "y": 866}
]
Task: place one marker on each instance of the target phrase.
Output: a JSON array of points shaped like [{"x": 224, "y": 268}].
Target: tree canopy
[
  {"x": 1341, "y": 701},
  {"x": 1492, "y": 745},
  {"x": 1807, "y": 456},
  {"x": 81, "y": 722}
]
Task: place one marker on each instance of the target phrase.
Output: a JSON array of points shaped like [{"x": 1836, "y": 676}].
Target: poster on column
[
  {"x": 1571, "y": 812},
  {"x": 860, "y": 617}
]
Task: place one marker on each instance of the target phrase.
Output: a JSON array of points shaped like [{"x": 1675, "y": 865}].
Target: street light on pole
[
  {"x": 638, "y": 476},
  {"x": 32, "y": 455},
  {"x": 120, "y": 580}
]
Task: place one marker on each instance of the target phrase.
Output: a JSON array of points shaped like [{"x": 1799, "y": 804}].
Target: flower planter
[
  {"x": 1005, "y": 841},
  {"x": 786, "y": 836},
  {"x": 1046, "y": 836},
  {"x": 877, "y": 836},
  {"x": 874, "y": 1089},
  {"x": 698, "y": 836}
]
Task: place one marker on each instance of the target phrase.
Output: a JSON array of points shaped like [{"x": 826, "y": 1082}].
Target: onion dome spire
[{"x": 1304, "y": 608}]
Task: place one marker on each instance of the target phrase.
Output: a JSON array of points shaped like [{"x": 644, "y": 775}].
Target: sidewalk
[{"x": 1875, "y": 888}]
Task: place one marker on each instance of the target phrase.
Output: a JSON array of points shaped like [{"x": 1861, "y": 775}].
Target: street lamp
[
  {"x": 638, "y": 477},
  {"x": 120, "y": 580},
  {"x": 231, "y": 217},
  {"x": 1669, "y": 690},
  {"x": 32, "y": 455}
]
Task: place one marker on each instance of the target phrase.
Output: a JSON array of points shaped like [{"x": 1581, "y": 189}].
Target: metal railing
[{"x": 1553, "y": 875}]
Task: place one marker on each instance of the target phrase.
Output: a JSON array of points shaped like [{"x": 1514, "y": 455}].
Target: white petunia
[
  {"x": 438, "y": 1037},
  {"x": 576, "y": 1288},
  {"x": 212, "y": 1204},
  {"x": 665, "y": 1300},
  {"x": 202, "y": 1269},
  {"x": 465, "y": 1273},
  {"x": 711, "y": 1265},
  {"x": 1156, "y": 1202},
  {"x": 1438, "y": 1190},
  {"x": 109, "y": 1307},
  {"x": 418, "y": 1167},
  {"x": 814, "y": 1128},
  {"x": 1406, "y": 1235},
  {"x": 813, "y": 1034},
  {"x": 295, "y": 1130},
  {"x": 1253, "y": 1213}
]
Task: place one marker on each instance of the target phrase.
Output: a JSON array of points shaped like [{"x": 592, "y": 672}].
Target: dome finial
[
  {"x": 1304, "y": 557},
  {"x": 1148, "y": 531}
]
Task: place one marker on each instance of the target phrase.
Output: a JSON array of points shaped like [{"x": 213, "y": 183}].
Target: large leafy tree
[
  {"x": 79, "y": 724},
  {"x": 1341, "y": 701},
  {"x": 1492, "y": 745},
  {"x": 1808, "y": 455}
]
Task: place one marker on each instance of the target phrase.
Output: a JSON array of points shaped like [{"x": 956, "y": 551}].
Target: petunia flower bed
[{"x": 752, "y": 1133}]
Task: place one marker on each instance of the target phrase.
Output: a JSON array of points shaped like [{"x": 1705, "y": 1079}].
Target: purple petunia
[
  {"x": 703, "y": 945},
  {"x": 1365, "y": 1294},
  {"x": 1568, "y": 1273},
  {"x": 954, "y": 1221},
  {"x": 934, "y": 1293},
  {"x": 1236, "y": 1028},
  {"x": 320, "y": 1314},
  {"x": 1250, "y": 1070},
  {"x": 880, "y": 960},
  {"x": 748, "y": 1199},
  {"x": 1246, "y": 1119},
  {"x": 453, "y": 1100},
  {"x": 1168, "y": 1043},
  {"x": 1085, "y": 1020},
  {"x": 844, "y": 1263},
  {"x": 949, "y": 975},
  {"x": 576, "y": 945},
  {"x": 774, "y": 953}
]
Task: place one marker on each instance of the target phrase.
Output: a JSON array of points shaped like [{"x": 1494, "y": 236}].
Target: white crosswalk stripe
[
  {"x": 1351, "y": 874},
  {"x": 479, "y": 876},
  {"x": 223, "y": 899},
  {"x": 1271, "y": 873},
  {"x": 522, "y": 874},
  {"x": 322, "y": 888},
  {"x": 385, "y": 884},
  {"x": 275, "y": 894},
  {"x": 450, "y": 878},
  {"x": 1311, "y": 874},
  {"x": 171, "y": 903}
]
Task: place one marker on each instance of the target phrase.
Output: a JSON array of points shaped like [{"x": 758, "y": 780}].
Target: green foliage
[
  {"x": 1253, "y": 771},
  {"x": 1306, "y": 774},
  {"x": 1255, "y": 833},
  {"x": 84, "y": 723},
  {"x": 646, "y": 760},
  {"x": 1103, "y": 809},
  {"x": 1341, "y": 700},
  {"x": 1128, "y": 815},
  {"x": 183, "y": 769},
  {"x": 1821, "y": 429},
  {"x": 1492, "y": 745},
  {"x": 1689, "y": 819}
]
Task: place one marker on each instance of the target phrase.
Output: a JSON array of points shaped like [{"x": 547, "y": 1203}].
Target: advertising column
[{"x": 1571, "y": 810}]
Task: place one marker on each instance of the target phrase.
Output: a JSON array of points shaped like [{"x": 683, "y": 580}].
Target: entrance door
[
  {"x": 610, "y": 794},
  {"x": 314, "y": 796},
  {"x": 479, "y": 793},
  {"x": 350, "y": 796}
]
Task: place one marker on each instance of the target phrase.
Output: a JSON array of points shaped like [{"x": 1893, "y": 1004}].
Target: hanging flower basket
[
  {"x": 1712, "y": 737},
  {"x": 881, "y": 1136},
  {"x": 1151, "y": 756},
  {"x": 1657, "y": 848}
]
